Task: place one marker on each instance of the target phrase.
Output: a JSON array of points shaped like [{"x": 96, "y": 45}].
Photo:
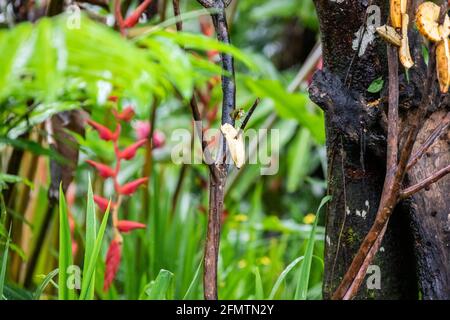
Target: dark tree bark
[{"x": 415, "y": 250}]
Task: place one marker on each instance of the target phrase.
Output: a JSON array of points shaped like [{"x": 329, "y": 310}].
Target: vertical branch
[
  {"x": 392, "y": 147},
  {"x": 219, "y": 170},
  {"x": 176, "y": 13}
]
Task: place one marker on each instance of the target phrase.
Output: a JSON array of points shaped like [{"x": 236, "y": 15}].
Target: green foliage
[
  {"x": 159, "y": 289},
  {"x": 65, "y": 251},
  {"x": 91, "y": 261},
  {"x": 305, "y": 269},
  {"x": 376, "y": 85},
  {"x": 48, "y": 68},
  {"x": 4, "y": 265}
]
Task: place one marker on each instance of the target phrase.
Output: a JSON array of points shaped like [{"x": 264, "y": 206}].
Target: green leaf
[
  {"x": 259, "y": 290},
  {"x": 159, "y": 288},
  {"x": 8, "y": 178},
  {"x": 48, "y": 278},
  {"x": 4, "y": 264},
  {"x": 89, "y": 275},
  {"x": 376, "y": 85},
  {"x": 194, "y": 281},
  {"x": 33, "y": 147},
  {"x": 91, "y": 235},
  {"x": 282, "y": 276},
  {"x": 299, "y": 157},
  {"x": 201, "y": 42},
  {"x": 65, "y": 250},
  {"x": 303, "y": 281},
  {"x": 291, "y": 105}
]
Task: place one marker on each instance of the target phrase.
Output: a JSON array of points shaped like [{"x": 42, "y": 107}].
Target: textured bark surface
[
  {"x": 356, "y": 156},
  {"x": 430, "y": 211}
]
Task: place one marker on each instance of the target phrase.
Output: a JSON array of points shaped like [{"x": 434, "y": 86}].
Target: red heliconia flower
[
  {"x": 116, "y": 133},
  {"x": 129, "y": 152},
  {"x": 102, "y": 203},
  {"x": 131, "y": 187},
  {"x": 112, "y": 262},
  {"x": 142, "y": 129},
  {"x": 133, "y": 19},
  {"x": 127, "y": 225},
  {"x": 159, "y": 139},
  {"x": 104, "y": 170},
  {"x": 103, "y": 131},
  {"x": 126, "y": 115},
  {"x": 113, "y": 98}
]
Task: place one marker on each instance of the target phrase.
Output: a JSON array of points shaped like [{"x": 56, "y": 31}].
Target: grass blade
[
  {"x": 4, "y": 264},
  {"x": 89, "y": 276},
  {"x": 283, "y": 275},
  {"x": 65, "y": 250},
  {"x": 194, "y": 280},
  {"x": 259, "y": 290},
  {"x": 303, "y": 280},
  {"x": 91, "y": 235},
  {"x": 48, "y": 278}
]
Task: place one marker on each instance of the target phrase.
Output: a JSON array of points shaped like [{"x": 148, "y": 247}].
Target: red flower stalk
[
  {"x": 102, "y": 203},
  {"x": 112, "y": 262},
  {"x": 131, "y": 187},
  {"x": 113, "y": 256},
  {"x": 104, "y": 132},
  {"x": 126, "y": 115},
  {"x": 103, "y": 170},
  {"x": 133, "y": 19},
  {"x": 127, "y": 225},
  {"x": 129, "y": 152}
]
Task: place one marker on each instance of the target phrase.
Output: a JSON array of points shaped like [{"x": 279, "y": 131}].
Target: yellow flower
[
  {"x": 265, "y": 261},
  {"x": 240, "y": 218},
  {"x": 242, "y": 264},
  {"x": 309, "y": 218}
]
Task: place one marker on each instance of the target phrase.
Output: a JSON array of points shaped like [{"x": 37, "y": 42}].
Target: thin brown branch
[
  {"x": 176, "y": 13},
  {"x": 435, "y": 177},
  {"x": 362, "y": 271},
  {"x": 438, "y": 132},
  {"x": 218, "y": 175},
  {"x": 249, "y": 114},
  {"x": 393, "y": 131}
]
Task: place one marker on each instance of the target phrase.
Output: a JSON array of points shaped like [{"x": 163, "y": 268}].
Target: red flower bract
[
  {"x": 112, "y": 263},
  {"x": 103, "y": 131},
  {"x": 158, "y": 139},
  {"x": 127, "y": 225},
  {"x": 131, "y": 187},
  {"x": 113, "y": 98},
  {"x": 126, "y": 115},
  {"x": 102, "y": 203},
  {"x": 142, "y": 129},
  {"x": 103, "y": 169},
  {"x": 129, "y": 152},
  {"x": 133, "y": 19}
]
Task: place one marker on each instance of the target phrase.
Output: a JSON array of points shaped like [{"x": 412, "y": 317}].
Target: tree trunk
[{"x": 415, "y": 249}]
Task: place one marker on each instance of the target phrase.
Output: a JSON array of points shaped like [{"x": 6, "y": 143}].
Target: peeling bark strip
[{"x": 356, "y": 139}]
